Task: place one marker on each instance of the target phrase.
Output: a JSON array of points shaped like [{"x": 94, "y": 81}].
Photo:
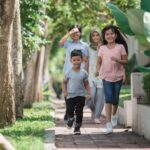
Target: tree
[
  {"x": 17, "y": 62},
  {"x": 7, "y": 104}
]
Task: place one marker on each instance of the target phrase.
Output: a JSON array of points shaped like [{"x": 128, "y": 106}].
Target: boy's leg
[
  {"x": 70, "y": 111},
  {"x": 80, "y": 102},
  {"x": 65, "y": 116}
]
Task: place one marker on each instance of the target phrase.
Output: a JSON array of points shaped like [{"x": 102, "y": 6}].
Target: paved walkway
[{"x": 93, "y": 135}]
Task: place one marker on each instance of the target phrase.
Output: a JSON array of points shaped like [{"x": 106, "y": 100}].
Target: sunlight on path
[{"x": 93, "y": 135}]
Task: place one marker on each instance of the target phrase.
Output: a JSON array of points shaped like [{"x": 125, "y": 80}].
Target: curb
[{"x": 49, "y": 139}]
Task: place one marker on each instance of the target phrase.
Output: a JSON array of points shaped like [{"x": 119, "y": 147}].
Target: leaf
[
  {"x": 146, "y": 20},
  {"x": 147, "y": 52},
  {"x": 135, "y": 18},
  {"x": 143, "y": 69},
  {"x": 121, "y": 19},
  {"x": 142, "y": 40},
  {"x": 145, "y": 5}
]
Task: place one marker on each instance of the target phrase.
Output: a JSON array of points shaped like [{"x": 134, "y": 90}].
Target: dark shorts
[{"x": 112, "y": 91}]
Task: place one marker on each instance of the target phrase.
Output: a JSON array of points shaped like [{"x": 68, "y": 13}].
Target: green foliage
[
  {"x": 147, "y": 52},
  {"x": 145, "y": 5},
  {"x": 120, "y": 18},
  {"x": 132, "y": 62},
  {"x": 135, "y": 18},
  {"x": 143, "y": 69},
  {"x": 125, "y": 94},
  {"x": 146, "y": 86},
  {"x": 28, "y": 133},
  {"x": 146, "y": 20},
  {"x": 32, "y": 22}
]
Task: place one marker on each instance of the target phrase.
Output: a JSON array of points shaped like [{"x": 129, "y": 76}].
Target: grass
[
  {"x": 125, "y": 94},
  {"x": 28, "y": 133}
]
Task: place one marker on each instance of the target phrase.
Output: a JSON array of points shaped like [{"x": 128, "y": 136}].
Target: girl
[
  {"x": 112, "y": 58},
  {"x": 96, "y": 86}
]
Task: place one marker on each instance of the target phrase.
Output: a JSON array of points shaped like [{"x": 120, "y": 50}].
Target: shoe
[
  {"x": 109, "y": 128},
  {"x": 65, "y": 117},
  {"x": 92, "y": 115},
  {"x": 70, "y": 122},
  {"x": 96, "y": 120},
  {"x": 114, "y": 120},
  {"x": 77, "y": 130}
]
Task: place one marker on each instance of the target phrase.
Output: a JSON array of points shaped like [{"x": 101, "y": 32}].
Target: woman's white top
[{"x": 93, "y": 55}]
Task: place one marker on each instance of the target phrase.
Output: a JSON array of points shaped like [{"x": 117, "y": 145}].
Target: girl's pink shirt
[{"x": 110, "y": 70}]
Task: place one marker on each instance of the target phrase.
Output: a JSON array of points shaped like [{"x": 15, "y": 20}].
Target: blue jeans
[{"x": 112, "y": 91}]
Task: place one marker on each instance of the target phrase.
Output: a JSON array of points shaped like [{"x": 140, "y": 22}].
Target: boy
[
  {"x": 74, "y": 88},
  {"x": 74, "y": 43}
]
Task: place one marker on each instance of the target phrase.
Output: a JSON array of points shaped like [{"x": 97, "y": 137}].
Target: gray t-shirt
[
  {"x": 70, "y": 45},
  {"x": 75, "y": 83}
]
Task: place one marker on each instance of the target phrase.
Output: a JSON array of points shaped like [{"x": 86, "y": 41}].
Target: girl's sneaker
[
  {"x": 109, "y": 128},
  {"x": 114, "y": 120}
]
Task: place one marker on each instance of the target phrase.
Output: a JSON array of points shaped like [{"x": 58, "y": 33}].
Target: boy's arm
[
  {"x": 64, "y": 38},
  {"x": 64, "y": 88}
]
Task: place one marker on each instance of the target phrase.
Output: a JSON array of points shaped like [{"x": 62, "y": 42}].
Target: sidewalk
[{"x": 93, "y": 135}]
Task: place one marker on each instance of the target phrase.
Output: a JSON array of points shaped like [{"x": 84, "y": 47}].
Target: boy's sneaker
[
  {"x": 114, "y": 120},
  {"x": 77, "y": 130},
  {"x": 70, "y": 122},
  {"x": 65, "y": 117},
  {"x": 109, "y": 128}
]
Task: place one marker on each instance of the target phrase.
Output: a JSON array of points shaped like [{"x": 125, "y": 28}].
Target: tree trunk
[
  {"x": 7, "y": 104},
  {"x": 17, "y": 63},
  {"x": 29, "y": 81},
  {"x": 39, "y": 76}
]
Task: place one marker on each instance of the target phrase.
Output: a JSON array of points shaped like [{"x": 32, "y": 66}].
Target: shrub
[{"x": 146, "y": 86}]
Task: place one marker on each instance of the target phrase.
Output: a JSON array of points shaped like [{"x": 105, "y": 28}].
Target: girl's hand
[
  {"x": 115, "y": 59},
  {"x": 96, "y": 74}
]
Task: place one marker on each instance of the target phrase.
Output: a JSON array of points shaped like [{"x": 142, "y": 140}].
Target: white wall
[{"x": 135, "y": 48}]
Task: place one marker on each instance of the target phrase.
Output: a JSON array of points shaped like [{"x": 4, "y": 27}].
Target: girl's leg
[
  {"x": 99, "y": 104},
  {"x": 108, "y": 109},
  {"x": 109, "y": 96},
  {"x": 117, "y": 88}
]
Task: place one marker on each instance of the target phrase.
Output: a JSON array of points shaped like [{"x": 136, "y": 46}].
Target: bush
[{"x": 146, "y": 86}]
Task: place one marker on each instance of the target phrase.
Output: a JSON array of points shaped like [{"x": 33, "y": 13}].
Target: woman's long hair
[{"x": 119, "y": 39}]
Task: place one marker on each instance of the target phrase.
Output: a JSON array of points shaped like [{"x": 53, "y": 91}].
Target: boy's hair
[
  {"x": 120, "y": 39},
  {"x": 76, "y": 52}
]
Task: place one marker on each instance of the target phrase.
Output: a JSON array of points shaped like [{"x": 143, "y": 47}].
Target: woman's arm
[
  {"x": 98, "y": 65},
  {"x": 86, "y": 62},
  {"x": 87, "y": 86}
]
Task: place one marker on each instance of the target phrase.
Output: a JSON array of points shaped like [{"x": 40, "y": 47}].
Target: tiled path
[{"x": 93, "y": 135}]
